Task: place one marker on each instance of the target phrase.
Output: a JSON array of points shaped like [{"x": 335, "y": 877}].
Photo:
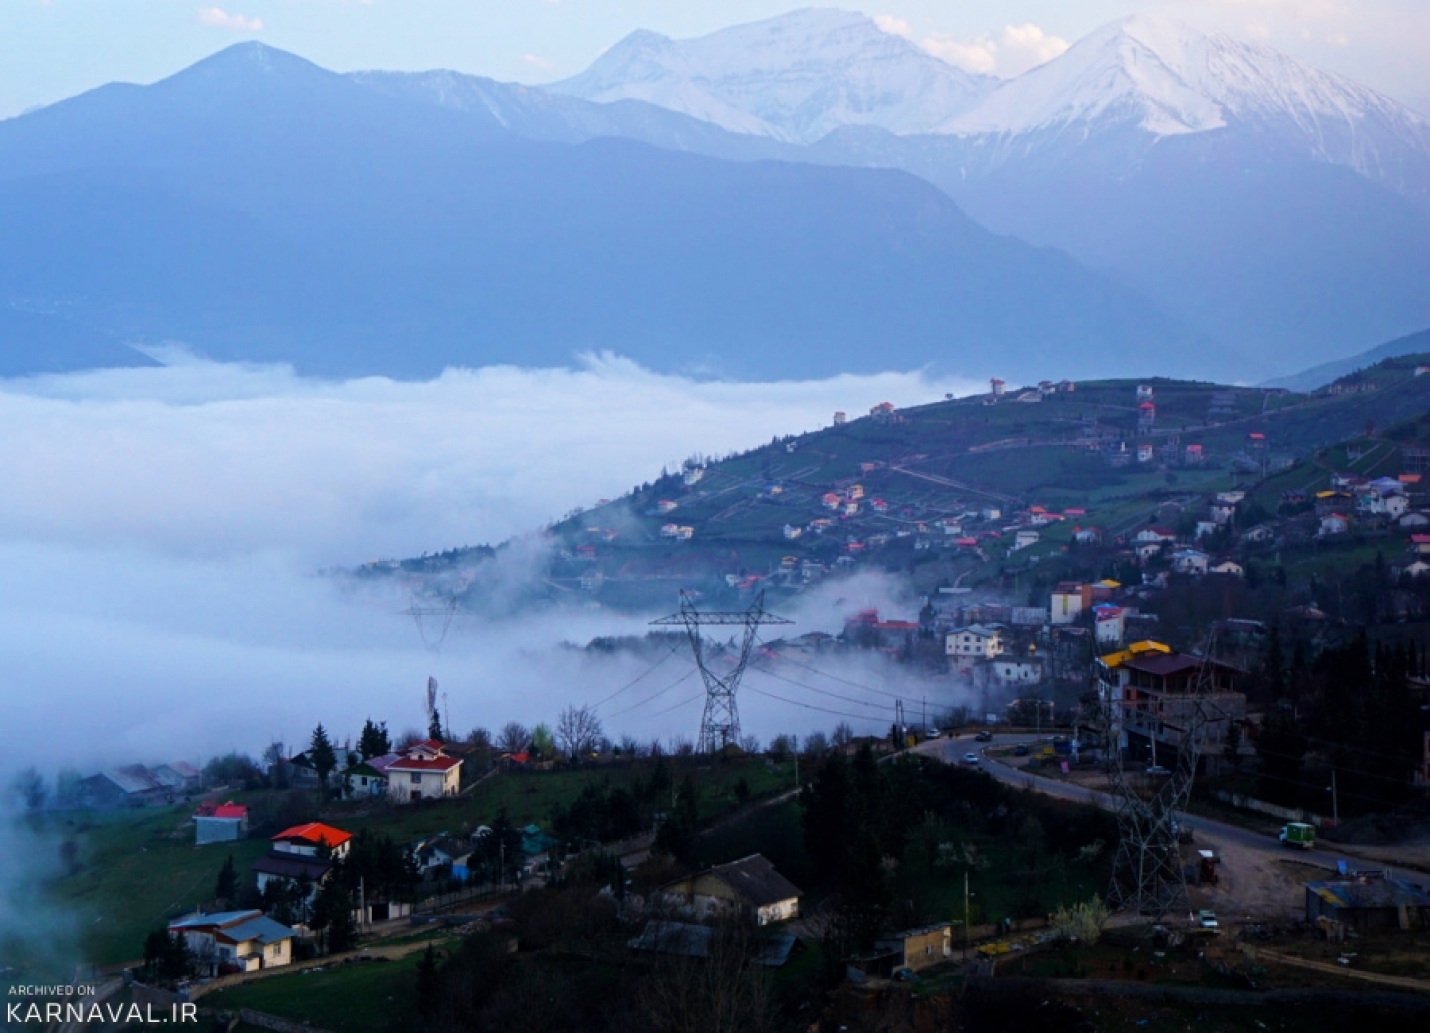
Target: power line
[
  {"x": 823, "y": 692},
  {"x": 811, "y": 706},
  {"x": 683, "y": 678},
  {"x": 683, "y": 703},
  {"x": 636, "y": 679},
  {"x": 835, "y": 677}
]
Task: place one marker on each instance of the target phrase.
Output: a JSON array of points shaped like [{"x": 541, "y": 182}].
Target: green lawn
[{"x": 365, "y": 997}]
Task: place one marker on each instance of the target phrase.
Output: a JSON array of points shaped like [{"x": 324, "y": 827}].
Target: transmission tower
[
  {"x": 720, "y": 724},
  {"x": 1147, "y": 872},
  {"x": 440, "y": 615}
]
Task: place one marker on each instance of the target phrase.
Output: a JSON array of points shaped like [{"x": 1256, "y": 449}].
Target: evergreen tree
[
  {"x": 676, "y": 835},
  {"x": 321, "y": 753},
  {"x": 374, "y": 741},
  {"x": 1273, "y": 667},
  {"x": 1280, "y": 749},
  {"x": 429, "y": 983},
  {"x": 227, "y": 887},
  {"x": 434, "y": 726}
]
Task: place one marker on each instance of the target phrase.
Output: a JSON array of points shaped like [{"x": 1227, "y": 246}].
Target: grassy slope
[
  {"x": 141, "y": 866},
  {"x": 357, "y": 998}
]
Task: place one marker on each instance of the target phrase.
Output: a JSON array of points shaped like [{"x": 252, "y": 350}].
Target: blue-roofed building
[{"x": 236, "y": 941}]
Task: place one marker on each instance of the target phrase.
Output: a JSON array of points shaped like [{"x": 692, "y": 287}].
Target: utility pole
[
  {"x": 362, "y": 902},
  {"x": 966, "y": 923},
  {"x": 501, "y": 867},
  {"x": 1335, "y": 801},
  {"x": 796, "y": 770}
]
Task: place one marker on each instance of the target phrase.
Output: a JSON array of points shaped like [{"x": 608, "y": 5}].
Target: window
[{"x": 416, "y": 776}]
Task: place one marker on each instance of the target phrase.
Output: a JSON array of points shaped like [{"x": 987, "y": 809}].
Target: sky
[
  {"x": 164, "y": 533},
  {"x": 51, "y": 49}
]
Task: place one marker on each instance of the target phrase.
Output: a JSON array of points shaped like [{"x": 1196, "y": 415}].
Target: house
[
  {"x": 976, "y": 640},
  {"x": 1067, "y": 602},
  {"x": 303, "y": 851},
  {"x": 1205, "y": 527},
  {"x": 666, "y": 506},
  {"x": 1087, "y": 535},
  {"x": 1222, "y": 512},
  {"x": 1154, "y": 536},
  {"x": 220, "y": 823},
  {"x": 130, "y": 785},
  {"x": 920, "y": 948},
  {"x": 1109, "y": 624},
  {"x": 883, "y": 411},
  {"x": 1155, "y": 692},
  {"x": 1189, "y": 561},
  {"x": 179, "y": 776},
  {"x": 829, "y": 500},
  {"x": 1010, "y": 672},
  {"x": 1227, "y": 566},
  {"x": 1369, "y": 905},
  {"x": 1262, "y": 533},
  {"x": 423, "y": 772},
  {"x": 1334, "y": 523},
  {"x": 1410, "y": 520},
  {"x": 368, "y": 777},
  {"x": 791, "y": 532},
  {"x": 242, "y": 941},
  {"x": 441, "y": 854},
  {"x": 1194, "y": 455},
  {"x": 750, "y": 887},
  {"x": 1420, "y": 544},
  {"x": 840, "y": 418},
  {"x": 1146, "y": 415},
  {"x": 1024, "y": 539},
  {"x": 693, "y": 476}
]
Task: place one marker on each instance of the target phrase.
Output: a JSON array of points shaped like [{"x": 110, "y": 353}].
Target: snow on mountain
[
  {"x": 795, "y": 77},
  {"x": 1170, "y": 79}
]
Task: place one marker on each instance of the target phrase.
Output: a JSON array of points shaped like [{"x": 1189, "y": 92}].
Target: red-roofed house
[
  {"x": 424, "y": 772},
  {"x": 219, "y": 822},
  {"x": 309, "y": 840},
  {"x": 1420, "y": 544}
]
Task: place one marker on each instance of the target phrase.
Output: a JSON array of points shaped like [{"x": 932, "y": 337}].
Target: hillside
[
  {"x": 944, "y": 490},
  {"x": 1320, "y": 376}
]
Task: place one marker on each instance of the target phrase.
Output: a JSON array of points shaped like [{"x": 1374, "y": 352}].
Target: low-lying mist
[{"x": 162, "y": 533}]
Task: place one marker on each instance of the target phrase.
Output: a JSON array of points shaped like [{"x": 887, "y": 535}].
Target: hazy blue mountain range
[
  {"x": 1318, "y": 376},
  {"x": 259, "y": 207}
]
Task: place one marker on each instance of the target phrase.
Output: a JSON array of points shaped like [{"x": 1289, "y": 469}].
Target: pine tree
[
  {"x": 429, "y": 983},
  {"x": 374, "y": 740},
  {"x": 321, "y": 753},
  {"x": 227, "y": 887}
]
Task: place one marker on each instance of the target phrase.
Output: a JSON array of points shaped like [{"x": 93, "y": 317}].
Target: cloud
[
  {"x": 893, "y": 25},
  {"x": 161, "y": 528},
  {"x": 218, "y": 18},
  {"x": 539, "y": 62},
  {"x": 1009, "y": 53}
]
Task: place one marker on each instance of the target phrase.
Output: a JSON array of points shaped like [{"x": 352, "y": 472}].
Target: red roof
[
  {"x": 1420, "y": 539},
  {"x": 315, "y": 833},
  {"x": 221, "y": 810},
  {"x": 419, "y": 764}
]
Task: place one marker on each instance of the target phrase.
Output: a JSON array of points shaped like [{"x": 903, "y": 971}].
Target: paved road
[{"x": 950, "y": 751}]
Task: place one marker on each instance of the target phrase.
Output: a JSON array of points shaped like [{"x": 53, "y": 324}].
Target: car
[
  {"x": 1021, "y": 750},
  {"x": 970, "y": 758},
  {"x": 932, "y": 733},
  {"x": 984, "y": 736},
  {"x": 1207, "y": 920},
  {"x": 1157, "y": 770},
  {"x": 904, "y": 975}
]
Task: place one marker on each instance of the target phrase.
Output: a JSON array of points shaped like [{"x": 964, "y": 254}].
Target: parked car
[
  {"x": 970, "y": 758},
  {"x": 984, "y": 736},
  {"x": 1158, "y": 770},
  {"x": 932, "y": 733},
  {"x": 1021, "y": 750},
  {"x": 1207, "y": 920}
]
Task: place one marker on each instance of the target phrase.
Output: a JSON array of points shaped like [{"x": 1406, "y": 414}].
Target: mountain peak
[
  {"x": 247, "y": 63},
  {"x": 794, "y": 77}
]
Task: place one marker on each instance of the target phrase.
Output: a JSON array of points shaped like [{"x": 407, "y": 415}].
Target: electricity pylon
[{"x": 720, "y": 723}]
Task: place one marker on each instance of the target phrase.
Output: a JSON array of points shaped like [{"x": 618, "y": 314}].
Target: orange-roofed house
[
  {"x": 220, "y": 822},
  {"x": 310, "y": 840},
  {"x": 424, "y": 772}
]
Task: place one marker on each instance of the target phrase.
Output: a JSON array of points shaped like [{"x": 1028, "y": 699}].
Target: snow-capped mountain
[
  {"x": 795, "y": 77},
  {"x": 1169, "y": 79}
]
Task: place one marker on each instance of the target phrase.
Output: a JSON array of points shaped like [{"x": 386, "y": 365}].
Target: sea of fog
[{"x": 163, "y": 533}]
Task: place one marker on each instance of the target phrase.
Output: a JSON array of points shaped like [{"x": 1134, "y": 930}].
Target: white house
[
  {"x": 1109, "y": 624},
  {"x": 791, "y": 532},
  {"x": 1007, "y": 671},
  {"x": 1190, "y": 561},
  {"x": 1226, "y": 566},
  {"x": 974, "y": 640},
  {"x": 1334, "y": 523},
  {"x": 1414, "y": 520},
  {"x": 424, "y": 772},
  {"x": 247, "y": 940},
  {"x": 750, "y": 887},
  {"x": 1066, "y": 603},
  {"x": 1023, "y": 539},
  {"x": 1154, "y": 535},
  {"x": 220, "y": 823}
]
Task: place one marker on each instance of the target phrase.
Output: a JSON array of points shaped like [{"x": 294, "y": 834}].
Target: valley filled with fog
[{"x": 173, "y": 540}]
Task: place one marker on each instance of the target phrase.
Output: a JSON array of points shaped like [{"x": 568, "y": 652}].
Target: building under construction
[{"x": 1157, "y": 693}]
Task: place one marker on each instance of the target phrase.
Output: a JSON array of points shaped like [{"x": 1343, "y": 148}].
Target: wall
[{"x": 1250, "y": 803}]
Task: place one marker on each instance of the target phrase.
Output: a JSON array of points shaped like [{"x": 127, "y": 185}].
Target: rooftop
[
  {"x": 315, "y": 833},
  {"x": 1370, "y": 893},
  {"x": 755, "y": 879}
]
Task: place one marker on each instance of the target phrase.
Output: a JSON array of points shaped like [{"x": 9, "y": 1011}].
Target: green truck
[{"x": 1299, "y": 835}]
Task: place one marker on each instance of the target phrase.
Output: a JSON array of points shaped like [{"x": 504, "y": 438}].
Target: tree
[
  {"x": 167, "y": 955},
  {"x": 321, "y": 753},
  {"x": 434, "y": 725},
  {"x": 374, "y": 740},
  {"x": 429, "y": 983},
  {"x": 1280, "y": 749},
  {"x": 514, "y": 737},
  {"x": 577, "y": 730},
  {"x": 1082, "y": 922},
  {"x": 815, "y": 745},
  {"x": 333, "y": 916},
  {"x": 29, "y": 787},
  {"x": 843, "y": 734},
  {"x": 676, "y": 835},
  {"x": 227, "y": 886},
  {"x": 1273, "y": 667},
  {"x": 480, "y": 738},
  {"x": 542, "y": 743}
]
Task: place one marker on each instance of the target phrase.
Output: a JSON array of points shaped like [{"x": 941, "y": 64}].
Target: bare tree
[
  {"x": 577, "y": 730},
  {"x": 722, "y": 992},
  {"x": 843, "y": 734},
  {"x": 815, "y": 744},
  {"x": 480, "y": 737},
  {"x": 514, "y": 737},
  {"x": 750, "y": 743}
]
